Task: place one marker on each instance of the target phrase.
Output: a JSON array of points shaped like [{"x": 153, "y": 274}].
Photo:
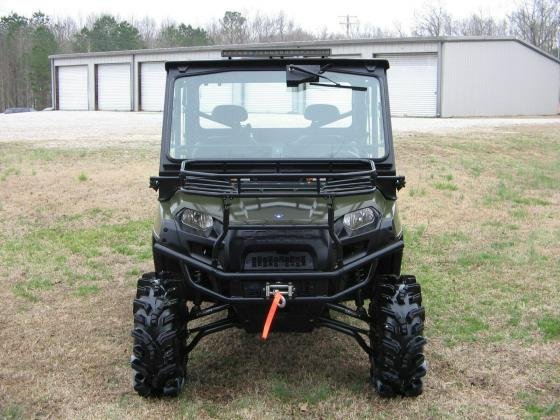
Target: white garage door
[
  {"x": 113, "y": 87},
  {"x": 341, "y": 98},
  {"x": 269, "y": 98},
  {"x": 152, "y": 86},
  {"x": 72, "y": 87},
  {"x": 214, "y": 94},
  {"x": 412, "y": 84}
]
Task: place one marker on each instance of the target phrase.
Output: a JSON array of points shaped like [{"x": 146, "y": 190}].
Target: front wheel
[
  {"x": 159, "y": 356},
  {"x": 398, "y": 365}
]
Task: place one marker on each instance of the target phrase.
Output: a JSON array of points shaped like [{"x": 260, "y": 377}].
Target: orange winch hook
[{"x": 278, "y": 301}]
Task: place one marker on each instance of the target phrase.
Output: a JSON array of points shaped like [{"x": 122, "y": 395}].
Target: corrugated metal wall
[{"x": 498, "y": 78}]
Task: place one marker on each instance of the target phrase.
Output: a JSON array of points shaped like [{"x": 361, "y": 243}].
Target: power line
[{"x": 348, "y": 22}]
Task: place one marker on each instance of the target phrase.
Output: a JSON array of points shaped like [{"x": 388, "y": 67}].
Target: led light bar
[{"x": 271, "y": 53}]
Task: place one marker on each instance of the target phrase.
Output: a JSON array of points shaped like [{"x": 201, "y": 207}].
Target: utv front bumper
[{"x": 246, "y": 287}]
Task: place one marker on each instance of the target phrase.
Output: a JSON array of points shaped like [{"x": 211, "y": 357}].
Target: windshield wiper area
[
  {"x": 296, "y": 75},
  {"x": 338, "y": 85}
]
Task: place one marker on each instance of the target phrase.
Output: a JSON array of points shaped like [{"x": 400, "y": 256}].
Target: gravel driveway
[{"x": 106, "y": 129}]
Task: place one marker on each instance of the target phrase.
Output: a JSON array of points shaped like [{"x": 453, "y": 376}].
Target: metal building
[{"x": 429, "y": 77}]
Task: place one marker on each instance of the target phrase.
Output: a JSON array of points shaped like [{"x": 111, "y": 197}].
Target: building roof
[{"x": 307, "y": 44}]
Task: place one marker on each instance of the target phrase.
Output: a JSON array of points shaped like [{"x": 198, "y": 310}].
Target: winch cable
[{"x": 279, "y": 301}]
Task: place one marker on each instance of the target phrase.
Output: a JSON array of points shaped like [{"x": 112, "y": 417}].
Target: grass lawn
[{"x": 482, "y": 229}]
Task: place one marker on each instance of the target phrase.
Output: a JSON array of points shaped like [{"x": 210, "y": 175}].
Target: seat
[
  {"x": 230, "y": 115},
  {"x": 317, "y": 142},
  {"x": 321, "y": 114},
  {"x": 232, "y": 136}
]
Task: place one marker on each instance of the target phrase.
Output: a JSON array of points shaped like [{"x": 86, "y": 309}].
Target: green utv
[{"x": 277, "y": 207}]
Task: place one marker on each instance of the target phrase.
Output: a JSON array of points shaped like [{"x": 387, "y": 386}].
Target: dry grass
[{"x": 482, "y": 220}]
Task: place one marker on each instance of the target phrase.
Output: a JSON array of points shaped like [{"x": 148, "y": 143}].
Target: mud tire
[
  {"x": 398, "y": 364},
  {"x": 159, "y": 358}
]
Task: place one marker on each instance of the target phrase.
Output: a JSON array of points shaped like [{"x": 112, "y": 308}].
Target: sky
[{"x": 308, "y": 14}]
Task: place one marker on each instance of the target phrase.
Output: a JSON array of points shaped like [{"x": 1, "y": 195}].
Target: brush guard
[{"x": 279, "y": 179}]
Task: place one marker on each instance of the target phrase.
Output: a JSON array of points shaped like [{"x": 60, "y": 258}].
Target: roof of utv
[{"x": 369, "y": 64}]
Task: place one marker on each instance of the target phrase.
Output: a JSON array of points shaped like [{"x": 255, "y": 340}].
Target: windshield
[{"x": 254, "y": 115}]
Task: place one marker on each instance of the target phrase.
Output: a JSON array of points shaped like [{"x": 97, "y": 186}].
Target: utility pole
[{"x": 348, "y": 21}]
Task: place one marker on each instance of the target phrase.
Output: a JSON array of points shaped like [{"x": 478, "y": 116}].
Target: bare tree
[
  {"x": 434, "y": 20},
  {"x": 148, "y": 31},
  {"x": 324, "y": 34},
  {"x": 537, "y": 22},
  {"x": 398, "y": 30},
  {"x": 261, "y": 28},
  {"x": 64, "y": 30},
  {"x": 361, "y": 31},
  {"x": 286, "y": 29},
  {"x": 283, "y": 26},
  {"x": 258, "y": 28},
  {"x": 479, "y": 25}
]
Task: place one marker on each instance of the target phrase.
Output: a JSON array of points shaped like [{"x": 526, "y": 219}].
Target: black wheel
[
  {"x": 398, "y": 365},
  {"x": 159, "y": 357}
]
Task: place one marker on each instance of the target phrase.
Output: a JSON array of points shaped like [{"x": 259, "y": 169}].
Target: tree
[
  {"x": 271, "y": 28},
  {"x": 14, "y": 80},
  {"x": 148, "y": 30},
  {"x": 434, "y": 20},
  {"x": 262, "y": 29},
  {"x": 183, "y": 35},
  {"x": 399, "y": 31},
  {"x": 106, "y": 34},
  {"x": 43, "y": 44},
  {"x": 233, "y": 28},
  {"x": 361, "y": 31},
  {"x": 537, "y": 22},
  {"x": 64, "y": 30},
  {"x": 479, "y": 25}
]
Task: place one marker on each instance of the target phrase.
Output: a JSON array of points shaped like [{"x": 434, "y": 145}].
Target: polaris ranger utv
[{"x": 277, "y": 208}]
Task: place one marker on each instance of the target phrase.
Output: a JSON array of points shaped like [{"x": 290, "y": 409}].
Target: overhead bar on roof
[{"x": 278, "y": 53}]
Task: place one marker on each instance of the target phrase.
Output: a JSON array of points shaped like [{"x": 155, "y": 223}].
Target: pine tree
[{"x": 43, "y": 44}]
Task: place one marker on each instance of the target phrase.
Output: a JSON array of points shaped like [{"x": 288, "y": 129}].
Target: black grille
[
  {"x": 278, "y": 261},
  {"x": 253, "y": 291},
  {"x": 306, "y": 288},
  {"x": 279, "y": 179}
]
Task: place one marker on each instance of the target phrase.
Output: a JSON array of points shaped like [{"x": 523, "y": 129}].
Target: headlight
[
  {"x": 196, "y": 219},
  {"x": 359, "y": 218}
]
